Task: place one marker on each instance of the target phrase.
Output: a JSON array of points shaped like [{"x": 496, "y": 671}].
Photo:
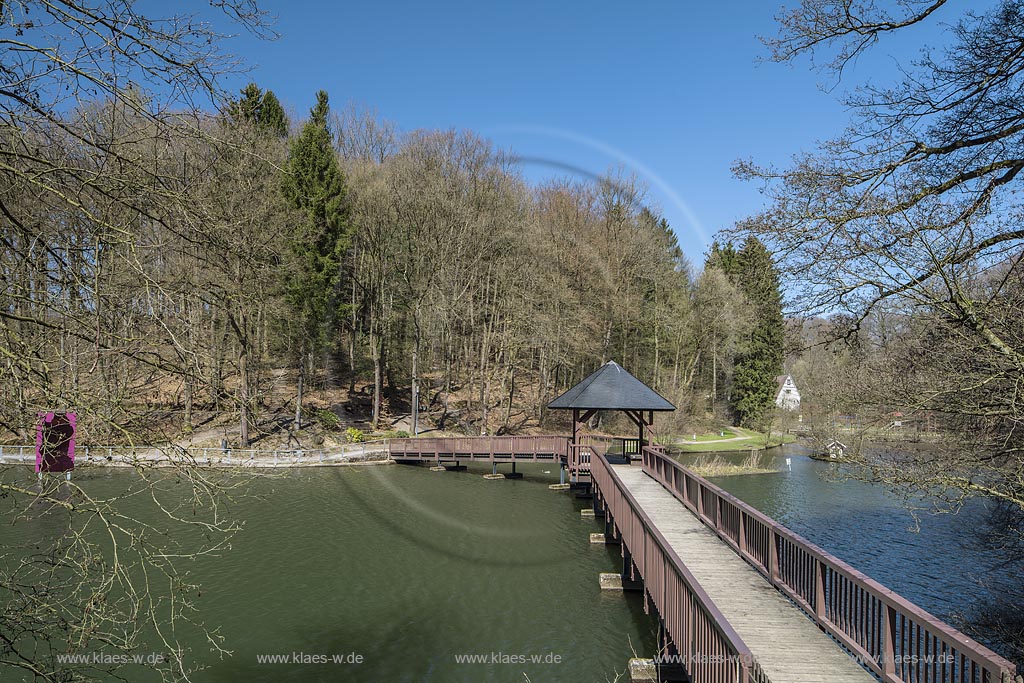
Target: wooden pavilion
[{"x": 611, "y": 387}]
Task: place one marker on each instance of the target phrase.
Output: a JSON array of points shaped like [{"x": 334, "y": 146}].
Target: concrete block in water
[
  {"x": 587, "y": 512},
  {"x": 642, "y": 670},
  {"x": 598, "y": 539},
  {"x": 494, "y": 477},
  {"x": 558, "y": 487},
  {"x": 611, "y": 581}
]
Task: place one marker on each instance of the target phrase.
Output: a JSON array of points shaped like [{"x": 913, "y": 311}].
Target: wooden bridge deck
[{"x": 788, "y": 645}]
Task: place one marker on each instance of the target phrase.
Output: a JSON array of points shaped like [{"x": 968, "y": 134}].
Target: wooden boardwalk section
[{"x": 789, "y": 646}]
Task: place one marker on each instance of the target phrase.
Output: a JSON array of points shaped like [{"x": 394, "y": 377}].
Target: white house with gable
[{"x": 788, "y": 396}]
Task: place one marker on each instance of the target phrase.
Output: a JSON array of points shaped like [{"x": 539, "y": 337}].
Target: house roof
[
  {"x": 781, "y": 379},
  {"x": 611, "y": 387}
]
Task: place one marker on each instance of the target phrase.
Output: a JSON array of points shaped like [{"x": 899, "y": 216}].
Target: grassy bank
[
  {"x": 736, "y": 439},
  {"x": 713, "y": 465}
]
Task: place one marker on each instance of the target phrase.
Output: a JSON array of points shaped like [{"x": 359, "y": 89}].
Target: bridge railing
[
  {"x": 708, "y": 646},
  {"x": 892, "y": 637},
  {"x": 612, "y": 445},
  {"x": 479, "y": 445}
]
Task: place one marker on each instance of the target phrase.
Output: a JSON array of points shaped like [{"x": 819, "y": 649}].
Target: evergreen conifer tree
[
  {"x": 261, "y": 108},
  {"x": 753, "y": 272},
  {"x": 314, "y": 184},
  {"x": 754, "y": 385}
]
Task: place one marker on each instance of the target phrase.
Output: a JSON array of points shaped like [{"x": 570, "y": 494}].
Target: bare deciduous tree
[{"x": 917, "y": 206}]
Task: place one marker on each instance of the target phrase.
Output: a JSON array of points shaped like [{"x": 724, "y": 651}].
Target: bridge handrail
[
  {"x": 881, "y": 628},
  {"x": 629, "y": 444},
  {"x": 691, "y": 618},
  {"x": 480, "y": 444}
]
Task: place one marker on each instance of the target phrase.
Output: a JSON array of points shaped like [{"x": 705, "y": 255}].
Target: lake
[{"x": 413, "y": 572}]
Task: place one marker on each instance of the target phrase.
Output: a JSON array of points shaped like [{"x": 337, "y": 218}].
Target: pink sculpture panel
[{"x": 55, "y": 442}]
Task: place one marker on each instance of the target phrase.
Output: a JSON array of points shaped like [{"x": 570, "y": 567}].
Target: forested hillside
[{"x": 235, "y": 266}]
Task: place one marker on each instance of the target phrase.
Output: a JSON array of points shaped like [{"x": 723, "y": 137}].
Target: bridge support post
[
  {"x": 609, "y": 532},
  {"x": 673, "y": 671},
  {"x": 582, "y": 489},
  {"x": 627, "y": 563},
  {"x": 513, "y": 474},
  {"x": 494, "y": 472},
  {"x": 628, "y": 580}
]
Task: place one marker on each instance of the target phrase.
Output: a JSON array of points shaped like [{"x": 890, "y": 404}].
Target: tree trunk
[
  {"x": 714, "y": 374},
  {"x": 415, "y": 390},
  {"x": 375, "y": 354},
  {"x": 353, "y": 323},
  {"x": 484, "y": 383},
  {"x": 511, "y": 393},
  {"x": 377, "y": 381},
  {"x": 542, "y": 385},
  {"x": 187, "y": 426},
  {"x": 448, "y": 352},
  {"x": 352, "y": 360},
  {"x": 327, "y": 374},
  {"x": 298, "y": 390},
  {"x": 216, "y": 369},
  {"x": 675, "y": 364},
  {"x": 243, "y": 372}
]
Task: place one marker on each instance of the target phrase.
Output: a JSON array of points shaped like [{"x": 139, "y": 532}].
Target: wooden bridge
[
  {"x": 739, "y": 597},
  {"x": 573, "y": 458}
]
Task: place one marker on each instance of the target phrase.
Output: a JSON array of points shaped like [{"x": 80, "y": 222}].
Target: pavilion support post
[
  {"x": 574, "y": 451},
  {"x": 644, "y": 424}
]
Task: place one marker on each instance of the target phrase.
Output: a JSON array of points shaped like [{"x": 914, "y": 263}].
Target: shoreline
[
  {"x": 212, "y": 466},
  {"x": 210, "y": 458}
]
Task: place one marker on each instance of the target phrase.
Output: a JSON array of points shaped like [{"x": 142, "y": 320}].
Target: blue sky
[{"x": 672, "y": 90}]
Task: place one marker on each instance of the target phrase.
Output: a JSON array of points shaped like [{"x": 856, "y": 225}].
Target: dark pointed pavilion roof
[{"x": 611, "y": 388}]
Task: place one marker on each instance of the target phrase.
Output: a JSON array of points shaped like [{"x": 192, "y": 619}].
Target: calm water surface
[{"x": 410, "y": 568}]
